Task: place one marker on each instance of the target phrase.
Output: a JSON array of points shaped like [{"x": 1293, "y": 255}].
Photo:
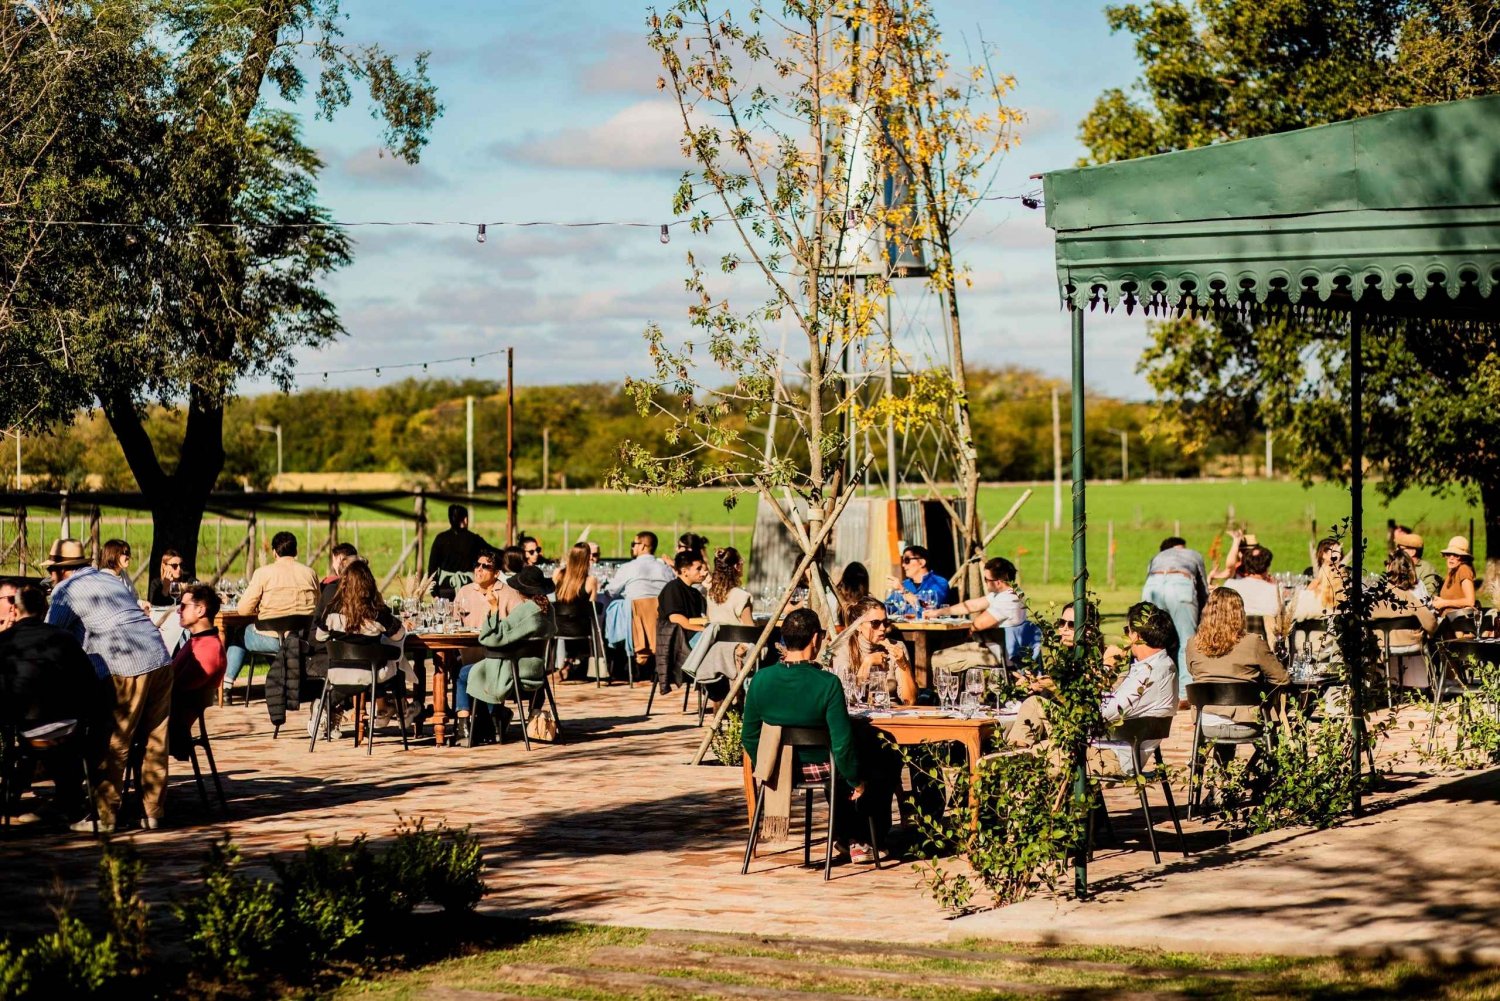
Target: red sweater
[{"x": 198, "y": 665}]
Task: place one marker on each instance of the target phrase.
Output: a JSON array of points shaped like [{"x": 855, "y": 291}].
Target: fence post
[
  {"x": 421, "y": 550},
  {"x": 1046, "y": 551},
  {"x": 22, "y": 544},
  {"x": 218, "y": 540},
  {"x": 1110, "y": 562},
  {"x": 64, "y": 516},
  {"x": 94, "y": 533},
  {"x": 567, "y": 534},
  {"x": 619, "y": 537},
  {"x": 250, "y": 545}
]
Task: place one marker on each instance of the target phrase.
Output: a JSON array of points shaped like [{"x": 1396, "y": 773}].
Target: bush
[
  {"x": 441, "y": 865},
  {"x": 234, "y": 922},
  {"x": 329, "y": 894},
  {"x": 69, "y": 962},
  {"x": 12, "y": 971},
  {"x": 119, "y": 897},
  {"x": 726, "y": 743}
]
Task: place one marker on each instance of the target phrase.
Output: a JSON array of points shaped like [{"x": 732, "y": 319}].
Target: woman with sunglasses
[
  {"x": 168, "y": 585},
  {"x": 867, "y": 646}
]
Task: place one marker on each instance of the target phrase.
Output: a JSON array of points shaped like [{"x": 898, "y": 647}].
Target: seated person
[
  {"x": 728, "y": 602},
  {"x": 1407, "y": 665},
  {"x": 678, "y": 604},
  {"x": 853, "y": 585},
  {"x": 1261, "y": 595},
  {"x": 359, "y": 615},
  {"x": 197, "y": 667},
  {"x": 1429, "y": 581},
  {"x": 515, "y": 652},
  {"x": 918, "y": 583},
  {"x": 1001, "y": 607},
  {"x": 1221, "y": 650},
  {"x": 164, "y": 590},
  {"x": 1456, "y": 599},
  {"x": 284, "y": 588},
  {"x": 472, "y": 601},
  {"x": 45, "y": 677},
  {"x": 1149, "y": 688},
  {"x": 796, "y": 692},
  {"x": 866, "y": 645}
]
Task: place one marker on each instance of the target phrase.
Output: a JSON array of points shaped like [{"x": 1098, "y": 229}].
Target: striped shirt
[{"x": 105, "y": 618}]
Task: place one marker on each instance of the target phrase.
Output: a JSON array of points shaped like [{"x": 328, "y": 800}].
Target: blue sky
[{"x": 551, "y": 113}]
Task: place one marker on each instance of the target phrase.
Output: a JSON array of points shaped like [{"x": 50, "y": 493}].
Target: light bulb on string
[
  {"x": 377, "y": 373},
  {"x": 481, "y": 236},
  {"x": 666, "y": 236}
]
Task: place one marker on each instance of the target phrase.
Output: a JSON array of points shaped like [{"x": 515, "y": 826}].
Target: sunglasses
[
  {"x": 8, "y": 597},
  {"x": 880, "y": 623},
  {"x": 1063, "y": 624},
  {"x": 484, "y": 566},
  {"x": 907, "y": 559},
  {"x": 174, "y": 566},
  {"x": 531, "y": 552}
]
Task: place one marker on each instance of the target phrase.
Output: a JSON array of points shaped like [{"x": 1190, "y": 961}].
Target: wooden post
[
  {"x": 510, "y": 446},
  {"x": 620, "y": 537},
  {"x": 21, "y": 542},
  {"x": 250, "y": 534},
  {"x": 421, "y": 550},
  {"x": 93, "y": 549},
  {"x": 567, "y": 535},
  {"x": 64, "y": 516},
  {"x": 333, "y": 530},
  {"x": 1046, "y": 552},
  {"x": 218, "y": 539},
  {"x": 1110, "y": 558},
  {"x": 546, "y": 457}
]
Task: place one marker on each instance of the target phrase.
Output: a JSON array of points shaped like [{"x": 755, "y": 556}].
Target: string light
[
  {"x": 666, "y": 235},
  {"x": 377, "y": 369},
  {"x": 481, "y": 233}
]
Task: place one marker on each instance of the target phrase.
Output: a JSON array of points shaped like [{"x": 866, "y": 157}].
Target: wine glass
[
  {"x": 928, "y": 603},
  {"x": 968, "y": 704}
]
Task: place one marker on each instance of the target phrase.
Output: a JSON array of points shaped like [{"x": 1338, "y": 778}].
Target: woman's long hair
[
  {"x": 729, "y": 567},
  {"x": 1223, "y": 622},
  {"x": 358, "y": 599},
  {"x": 852, "y": 588},
  {"x": 1400, "y": 570},
  {"x": 575, "y": 573}
]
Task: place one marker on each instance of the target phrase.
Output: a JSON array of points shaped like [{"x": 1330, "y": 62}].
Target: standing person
[
  {"x": 168, "y": 584},
  {"x": 919, "y": 583},
  {"x": 125, "y": 647},
  {"x": 197, "y": 667},
  {"x": 47, "y": 678},
  {"x": 454, "y": 550},
  {"x": 285, "y": 587},
  {"x": 1177, "y": 583},
  {"x": 728, "y": 602},
  {"x": 1429, "y": 581}
]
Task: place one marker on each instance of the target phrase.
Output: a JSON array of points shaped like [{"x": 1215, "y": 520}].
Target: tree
[
  {"x": 206, "y": 242},
  {"x": 792, "y": 166},
  {"x": 1217, "y": 70}
]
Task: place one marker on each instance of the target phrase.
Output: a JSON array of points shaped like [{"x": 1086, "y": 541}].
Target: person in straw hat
[
  {"x": 1429, "y": 581},
  {"x": 1457, "y": 592},
  {"x": 127, "y": 649}
]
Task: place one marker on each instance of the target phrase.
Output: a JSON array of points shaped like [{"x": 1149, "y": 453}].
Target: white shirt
[
  {"x": 642, "y": 577},
  {"x": 1007, "y": 607},
  {"x": 736, "y": 601},
  {"x": 1149, "y": 688},
  {"x": 1262, "y": 597}
]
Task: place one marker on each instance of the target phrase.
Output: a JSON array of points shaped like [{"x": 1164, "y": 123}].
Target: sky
[{"x": 551, "y": 113}]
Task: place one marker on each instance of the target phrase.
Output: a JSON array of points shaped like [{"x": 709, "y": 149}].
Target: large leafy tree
[
  {"x": 163, "y": 237},
  {"x": 1218, "y": 70}
]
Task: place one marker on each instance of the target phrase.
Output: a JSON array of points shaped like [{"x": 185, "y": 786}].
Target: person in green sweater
[
  {"x": 516, "y": 644},
  {"x": 797, "y": 692}
]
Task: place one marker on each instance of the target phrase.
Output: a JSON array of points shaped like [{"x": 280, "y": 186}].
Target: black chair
[
  {"x": 811, "y": 738},
  {"x": 21, "y": 748},
  {"x": 730, "y": 634},
  {"x": 208, "y": 752},
  {"x": 1454, "y": 677},
  {"x": 364, "y": 661},
  {"x": 531, "y": 687},
  {"x": 1133, "y": 731},
  {"x": 1228, "y": 694},
  {"x": 1390, "y": 653},
  {"x": 283, "y": 627}
]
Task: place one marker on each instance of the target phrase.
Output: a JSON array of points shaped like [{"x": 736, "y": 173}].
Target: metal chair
[
  {"x": 532, "y": 689},
  {"x": 19, "y": 748},
  {"x": 208, "y": 752},
  {"x": 1390, "y": 652},
  {"x": 365, "y": 663},
  {"x": 810, "y": 738},
  {"x": 1453, "y": 675},
  {"x": 722, "y": 633},
  {"x": 1133, "y": 731},
  {"x": 282, "y": 627},
  {"x": 1226, "y": 694}
]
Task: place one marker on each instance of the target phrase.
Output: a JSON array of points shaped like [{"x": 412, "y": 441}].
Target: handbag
[{"x": 541, "y": 726}]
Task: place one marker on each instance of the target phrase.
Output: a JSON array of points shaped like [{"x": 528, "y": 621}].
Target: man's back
[
  {"x": 642, "y": 577},
  {"x": 47, "y": 675},
  {"x": 455, "y": 550},
  {"x": 285, "y": 587},
  {"x": 110, "y": 625},
  {"x": 800, "y": 694}
]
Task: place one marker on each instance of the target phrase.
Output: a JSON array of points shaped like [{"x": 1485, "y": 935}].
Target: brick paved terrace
[{"x": 613, "y": 826}]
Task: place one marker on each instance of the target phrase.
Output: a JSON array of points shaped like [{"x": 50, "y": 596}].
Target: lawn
[
  {"x": 607, "y": 963},
  {"x": 1285, "y": 516}
]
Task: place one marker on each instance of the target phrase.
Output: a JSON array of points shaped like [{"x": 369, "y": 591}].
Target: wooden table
[
  {"x": 446, "y": 649},
  {"x": 927, "y": 638}
]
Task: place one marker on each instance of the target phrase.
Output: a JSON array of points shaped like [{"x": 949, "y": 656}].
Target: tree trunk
[{"x": 1489, "y": 498}]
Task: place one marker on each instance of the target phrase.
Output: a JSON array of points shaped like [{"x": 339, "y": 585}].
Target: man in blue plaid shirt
[{"x": 119, "y": 638}]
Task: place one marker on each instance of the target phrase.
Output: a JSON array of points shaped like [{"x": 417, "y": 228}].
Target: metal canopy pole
[
  {"x": 1354, "y": 659},
  {"x": 1080, "y": 570}
]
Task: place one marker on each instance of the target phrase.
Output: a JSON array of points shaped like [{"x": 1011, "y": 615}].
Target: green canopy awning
[{"x": 1399, "y": 210}]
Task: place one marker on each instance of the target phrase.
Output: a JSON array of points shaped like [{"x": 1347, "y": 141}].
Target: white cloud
[
  {"x": 372, "y": 166},
  {"x": 645, "y": 137}
]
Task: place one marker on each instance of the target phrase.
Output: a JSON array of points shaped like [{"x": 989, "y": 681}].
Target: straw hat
[
  {"x": 1457, "y": 546},
  {"x": 66, "y": 554},
  {"x": 1250, "y": 541},
  {"x": 1411, "y": 539}
]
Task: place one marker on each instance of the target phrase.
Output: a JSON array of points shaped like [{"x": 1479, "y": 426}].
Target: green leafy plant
[
  {"x": 328, "y": 894},
  {"x": 13, "y": 982},
  {"x": 125, "y": 912},
  {"x": 69, "y": 962},
  {"x": 726, "y": 743},
  {"x": 1471, "y": 720},
  {"x": 234, "y": 921},
  {"x": 442, "y": 865}
]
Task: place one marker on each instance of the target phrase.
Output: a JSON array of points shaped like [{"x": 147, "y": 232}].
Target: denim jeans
[
  {"x": 1175, "y": 594},
  {"x": 234, "y": 656}
]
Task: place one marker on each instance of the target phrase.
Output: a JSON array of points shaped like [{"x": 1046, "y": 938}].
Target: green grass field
[{"x": 1281, "y": 514}]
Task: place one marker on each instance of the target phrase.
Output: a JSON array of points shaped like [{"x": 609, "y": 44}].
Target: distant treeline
[{"x": 417, "y": 426}]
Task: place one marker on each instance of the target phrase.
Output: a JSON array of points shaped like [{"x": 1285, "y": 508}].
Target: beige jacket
[
  {"x": 286, "y": 587},
  {"x": 1249, "y": 660}
]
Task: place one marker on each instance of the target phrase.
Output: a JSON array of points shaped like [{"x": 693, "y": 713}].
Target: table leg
[
  {"x": 922, "y": 655},
  {"x": 975, "y": 746},
  {"x": 440, "y": 698}
]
